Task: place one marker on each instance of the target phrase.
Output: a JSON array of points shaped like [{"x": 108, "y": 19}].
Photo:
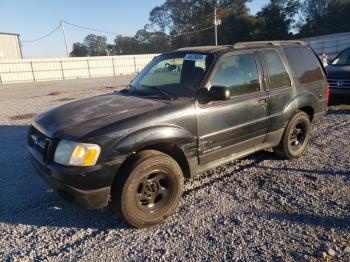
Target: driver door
[{"x": 230, "y": 126}]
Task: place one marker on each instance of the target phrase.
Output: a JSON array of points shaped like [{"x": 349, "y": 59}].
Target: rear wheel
[
  {"x": 296, "y": 137},
  {"x": 148, "y": 190}
]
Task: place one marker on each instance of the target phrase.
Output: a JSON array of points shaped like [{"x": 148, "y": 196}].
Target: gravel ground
[{"x": 257, "y": 208}]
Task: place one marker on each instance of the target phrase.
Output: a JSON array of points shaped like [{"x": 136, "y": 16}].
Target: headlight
[{"x": 70, "y": 153}]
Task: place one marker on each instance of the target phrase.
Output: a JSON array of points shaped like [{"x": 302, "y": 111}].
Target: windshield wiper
[{"x": 160, "y": 91}]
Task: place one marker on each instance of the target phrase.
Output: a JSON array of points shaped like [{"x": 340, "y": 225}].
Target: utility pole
[
  {"x": 217, "y": 22},
  {"x": 216, "y": 26},
  {"x": 65, "y": 37}
]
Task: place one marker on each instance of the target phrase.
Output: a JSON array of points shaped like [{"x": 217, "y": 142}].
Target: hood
[
  {"x": 81, "y": 117},
  {"x": 338, "y": 72}
]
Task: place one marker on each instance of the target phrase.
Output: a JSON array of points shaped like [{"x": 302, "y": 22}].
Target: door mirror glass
[{"x": 218, "y": 93}]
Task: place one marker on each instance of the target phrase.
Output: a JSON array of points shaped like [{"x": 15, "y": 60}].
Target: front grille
[
  {"x": 41, "y": 143},
  {"x": 339, "y": 83}
]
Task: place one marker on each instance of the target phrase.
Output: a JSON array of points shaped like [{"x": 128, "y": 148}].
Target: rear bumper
[{"x": 63, "y": 184}]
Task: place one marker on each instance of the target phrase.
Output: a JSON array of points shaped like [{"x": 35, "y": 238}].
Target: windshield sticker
[{"x": 195, "y": 57}]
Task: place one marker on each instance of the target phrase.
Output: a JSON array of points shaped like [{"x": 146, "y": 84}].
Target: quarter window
[
  {"x": 278, "y": 76},
  {"x": 305, "y": 64},
  {"x": 238, "y": 73}
]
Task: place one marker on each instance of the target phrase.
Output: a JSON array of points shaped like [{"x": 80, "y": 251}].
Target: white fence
[
  {"x": 46, "y": 69},
  {"x": 329, "y": 44}
]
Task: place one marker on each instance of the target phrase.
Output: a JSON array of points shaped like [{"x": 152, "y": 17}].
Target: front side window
[
  {"x": 238, "y": 73},
  {"x": 175, "y": 75},
  {"x": 343, "y": 58},
  {"x": 278, "y": 76}
]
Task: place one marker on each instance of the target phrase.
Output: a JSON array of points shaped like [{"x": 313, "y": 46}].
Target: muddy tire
[
  {"x": 295, "y": 138},
  {"x": 148, "y": 190}
]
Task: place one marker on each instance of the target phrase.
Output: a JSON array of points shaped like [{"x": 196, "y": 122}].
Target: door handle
[{"x": 260, "y": 101}]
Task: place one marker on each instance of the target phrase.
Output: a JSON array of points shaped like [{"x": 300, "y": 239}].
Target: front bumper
[
  {"x": 340, "y": 92},
  {"x": 87, "y": 188}
]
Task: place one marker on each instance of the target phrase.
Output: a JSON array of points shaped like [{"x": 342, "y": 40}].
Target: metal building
[{"x": 10, "y": 47}]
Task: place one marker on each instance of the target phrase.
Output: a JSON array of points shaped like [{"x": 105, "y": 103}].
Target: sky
[{"x": 35, "y": 18}]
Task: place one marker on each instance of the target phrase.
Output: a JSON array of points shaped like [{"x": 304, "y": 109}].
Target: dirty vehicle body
[{"x": 188, "y": 111}]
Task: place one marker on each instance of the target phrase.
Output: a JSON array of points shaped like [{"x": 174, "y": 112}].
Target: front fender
[{"x": 154, "y": 135}]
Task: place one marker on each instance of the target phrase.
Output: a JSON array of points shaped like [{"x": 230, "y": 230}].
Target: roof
[
  {"x": 206, "y": 49},
  {"x": 268, "y": 43},
  {"x": 238, "y": 46},
  {"x": 2, "y": 33},
  {"x": 241, "y": 45}
]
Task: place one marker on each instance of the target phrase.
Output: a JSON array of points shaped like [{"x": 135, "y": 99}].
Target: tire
[
  {"x": 295, "y": 137},
  {"x": 148, "y": 190}
]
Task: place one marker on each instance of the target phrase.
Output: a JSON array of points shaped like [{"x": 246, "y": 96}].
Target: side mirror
[
  {"x": 203, "y": 96},
  {"x": 219, "y": 93}
]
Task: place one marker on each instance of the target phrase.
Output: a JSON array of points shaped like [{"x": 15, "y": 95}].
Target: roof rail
[{"x": 268, "y": 43}]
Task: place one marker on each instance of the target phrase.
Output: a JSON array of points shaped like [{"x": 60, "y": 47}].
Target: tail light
[{"x": 327, "y": 94}]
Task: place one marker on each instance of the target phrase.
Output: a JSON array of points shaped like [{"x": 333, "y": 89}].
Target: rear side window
[
  {"x": 238, "y": 73},
  {"x": 278, "y": 76},
  {"x": 304, "y": 63}
]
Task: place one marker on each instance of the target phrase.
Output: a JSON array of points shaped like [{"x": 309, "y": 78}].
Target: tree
[
  {"x": 237, "y": 23},
  {"x": 181, "y": 18},
  {"x": 143, "y": 42},
  {"x": 154, "y": 42},
  {"x": 276, "y": 20},
  {"x": 325, "y": 17},
  {"x": 126, "y": 45},
  {"x": 96, "y": 45},
  {"x": 79, "y": 50}
]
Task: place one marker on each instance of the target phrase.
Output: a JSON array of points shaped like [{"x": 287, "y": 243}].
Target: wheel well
[
  {"x": 170, "y": 149},
  {"x": 308, "y": 110}
]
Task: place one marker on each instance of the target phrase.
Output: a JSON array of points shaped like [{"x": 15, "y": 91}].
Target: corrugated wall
[
  {"x": 9, "y": 47},
  {"x": 46, "y": 69}
]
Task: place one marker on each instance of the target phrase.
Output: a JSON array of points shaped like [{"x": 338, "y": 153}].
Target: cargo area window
[
  {"x": 238, "y": 73},
  {"x": 305, "y": 64},
  {"x": 278, "y": 76}
]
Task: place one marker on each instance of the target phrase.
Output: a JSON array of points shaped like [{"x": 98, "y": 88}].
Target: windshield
[
  {"x": 343, "y": 58},
  {"x": 172, "y": 76}
]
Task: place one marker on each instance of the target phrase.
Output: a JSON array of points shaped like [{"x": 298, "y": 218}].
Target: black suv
[
  {"x": 338, "y": 74},
  {"x": 188, "y": 111}
]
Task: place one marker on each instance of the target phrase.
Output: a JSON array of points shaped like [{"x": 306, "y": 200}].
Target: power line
[
  {"x": 107, "y": 32},
  {"x": 193, "y": 32},
  {"x": 42, "y": 37},
  {"x": 113, "y": 33},
  {"x": 91, "y": 29}
]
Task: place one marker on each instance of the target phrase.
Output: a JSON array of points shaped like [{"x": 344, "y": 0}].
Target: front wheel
[
  {"x": 296, "y": 137},
  {"x": 148, "y": 190}
]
